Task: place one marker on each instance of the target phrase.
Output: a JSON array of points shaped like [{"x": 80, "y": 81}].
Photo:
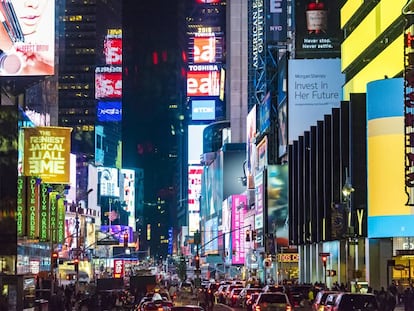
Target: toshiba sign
[{"x": 203, "y": 80}]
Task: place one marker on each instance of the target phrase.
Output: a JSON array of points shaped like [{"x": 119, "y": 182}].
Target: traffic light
[
  {"x": 126, "y": 240},
  {"x": 332, "y": 273},
  {"x": 55, "y": 258},
  {"x": 76, "y": 264},
  {"x": 254, "y": 235},
  {"x": 197, "y": 261},
  {"x": 247, "y": 235},
  {"x": 324, "y": 259}
]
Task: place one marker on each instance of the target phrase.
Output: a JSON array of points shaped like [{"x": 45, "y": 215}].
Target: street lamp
[{"x": 347, "y": 190}]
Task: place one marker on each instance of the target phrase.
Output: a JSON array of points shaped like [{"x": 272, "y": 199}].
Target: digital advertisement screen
[
  {"x": 108, "y": 82},
  {"x": 277, "y": 204},
  {"x": 113, "y": 47},
  {"x": 108, "y": 179},
  {"x": 27, "y": 38},
  {"x": 203, "y": 110},
  {"x": 194, "y": 187},
  {"x": 195, "y": 143},
  {"x": 238, "y": 211},
  {"x": 109, "y": 111},
  {"x": 315, "y": 87},
  {"x": 47, "y": 153},
  {"x": 318, "y": 31},
  {"x": 276, "y": 20},
  {"x": 203, "y": 83},
  {"x": 385, "y": 161},
  {"x": 205, "y": 48}
]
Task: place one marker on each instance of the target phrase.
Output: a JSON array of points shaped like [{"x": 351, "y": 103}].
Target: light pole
[{"x": 347, "y": 190}]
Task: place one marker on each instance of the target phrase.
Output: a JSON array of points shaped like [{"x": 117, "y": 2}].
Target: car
[
  {"x": 250, "y": 301},
  {"x": 219, "y": 293},
  {"x": 246, "y": 293},
  {"x": 233, "y": 298},
  {"x": 298, "y": 295},
  {"x": 272, "y": 301},
  {"x": 273, "y": 289},
  {"x": 320, "y": 299},
  {"x": 187, "y": 308},
  {"x": 346, "y": 301},
  {"x": 157, "y": 303},
  {"x": 228, "y": 290}
]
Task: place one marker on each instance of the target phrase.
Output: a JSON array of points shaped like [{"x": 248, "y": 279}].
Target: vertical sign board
[
  {"x": 276, "y": 20},
  {"x": 47, "y": 153},
  {"x": 44, "y": 213},
  {"x": 21, "y": 206},
  {"x": 53, "y": 198},
  {"x": 60, "y": 220},
  {"x": 118, "y": 268},
  {"x": 32, "y": 208}
]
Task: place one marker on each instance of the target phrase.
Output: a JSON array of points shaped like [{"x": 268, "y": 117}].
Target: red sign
[
  {"x": 108, "y": 83},
  {"x": 204, "y": 49},
  {"x": 113, "y": 51},
  {"x": 203, "y": 83},
  {"x": 118, "y": 268}
]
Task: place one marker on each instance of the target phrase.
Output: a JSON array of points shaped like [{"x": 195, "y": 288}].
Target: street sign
[{"x": 108, "y": 241}]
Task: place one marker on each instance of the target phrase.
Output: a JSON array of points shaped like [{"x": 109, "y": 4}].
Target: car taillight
[
  {"x": 160, "y": 309},
  {"x": 288, "y": 308}
]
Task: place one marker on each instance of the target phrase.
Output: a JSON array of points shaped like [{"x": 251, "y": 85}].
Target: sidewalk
[{"x": 399, "y": 308}]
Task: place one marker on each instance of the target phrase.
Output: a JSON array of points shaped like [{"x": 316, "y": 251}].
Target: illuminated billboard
[
  {"x": 277, "y": 206},
  {"x": 276, "y": 20},
  {"x": 108, "y": 181},
  {"x": 108, "y": 82},
  {"x": 238, "y": 210},
  {"x": 315, "y": 87},
  {"x": 251, "y": 147},
  {"x": 205, "y": 48},
  {"x": 203, "y": 110},
  {"x": 195, "y": 143},
  {"x": 194, "y": 187},
  {"x": 47, "y": 153},
  {"x": 203, "y": 80},
  {"x": 27, "y": 40},
  {"x": 109, "y": 111},
  {"x": 385, "y": 160},
  {"x": 113, "y": 47},
  {"x": 318, "y": 31}
]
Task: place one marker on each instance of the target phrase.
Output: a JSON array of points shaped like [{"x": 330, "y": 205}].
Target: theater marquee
[{"x": 46, "y": 153}]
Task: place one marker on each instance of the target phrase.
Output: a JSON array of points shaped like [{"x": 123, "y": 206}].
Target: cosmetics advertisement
[{"x": 27, "y": 38}]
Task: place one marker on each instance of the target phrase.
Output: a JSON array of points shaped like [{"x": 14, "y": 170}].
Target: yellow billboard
[{"x": 47, "y": 153}]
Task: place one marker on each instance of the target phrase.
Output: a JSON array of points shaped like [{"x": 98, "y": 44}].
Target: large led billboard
[
  {"x": 315, "y": 87},
  {"x": 108, "y": 179},
  {"x": 47, "y": 153},
  {"x": 318, "y": 31},
  {"x": 203, "y": 80},
  {"x": 205, "y": 48},
  {"x": 276, "y": 20},
  {"x": 277, "y": 206},
  {"x": 109, "y": 111},
  {"x": 108, "y": 82},
  {"x": 27, "y": 38},
  {"x": 203, "y": 110},
  {"x": 113, "y": 47},
  {"x": 194, "y": 187},
  {"x": 238, "y": 205},
  {"x": 195, "y": 143},
  {"x": 385, "y": 160}
]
